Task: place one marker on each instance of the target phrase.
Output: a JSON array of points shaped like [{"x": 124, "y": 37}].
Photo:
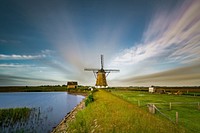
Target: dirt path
[{"x": 61, "y": 128}]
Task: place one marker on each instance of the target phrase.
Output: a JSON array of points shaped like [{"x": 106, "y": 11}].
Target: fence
[{"x": 153, "y": 109}]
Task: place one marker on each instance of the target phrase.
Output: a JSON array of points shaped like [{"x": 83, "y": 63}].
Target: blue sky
[{"x": 152, "y": 42}]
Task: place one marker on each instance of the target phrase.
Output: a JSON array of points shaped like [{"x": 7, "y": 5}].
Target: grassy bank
[
  {"x": 109, "y": 113},
  {"x": 186, "y": 106}
]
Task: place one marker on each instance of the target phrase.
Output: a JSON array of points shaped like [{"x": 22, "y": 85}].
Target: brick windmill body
[{"x": 101, "y": 74}]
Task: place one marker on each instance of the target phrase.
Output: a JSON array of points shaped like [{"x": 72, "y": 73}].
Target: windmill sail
[{"x": 102, "y": 62}]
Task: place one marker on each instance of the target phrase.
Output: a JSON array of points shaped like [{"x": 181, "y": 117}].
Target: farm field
[
  {"x": 47, "y": 88},
  {"x": 110, "y": 113},
  {"x": 32, "y": 88},
  {"x": 186, "y": 106}
]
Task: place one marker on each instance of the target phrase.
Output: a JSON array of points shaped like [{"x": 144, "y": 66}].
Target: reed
[{"x": 12, "y": 115}]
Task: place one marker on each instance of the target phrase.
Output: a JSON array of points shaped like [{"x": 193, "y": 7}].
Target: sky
[{"x": 50, "y": 42}]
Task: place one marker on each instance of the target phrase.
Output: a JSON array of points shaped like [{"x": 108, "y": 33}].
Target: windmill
[{"x": 101, "y": 74}]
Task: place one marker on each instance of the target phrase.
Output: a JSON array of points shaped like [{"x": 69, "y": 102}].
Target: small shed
[
  {"x": 72, "y": 84},
  {"x": 90, "y": 88},
  {"x": 152, "y": 89}
]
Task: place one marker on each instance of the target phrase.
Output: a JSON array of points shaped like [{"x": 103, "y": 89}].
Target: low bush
[{"x": 89, "y": 99}]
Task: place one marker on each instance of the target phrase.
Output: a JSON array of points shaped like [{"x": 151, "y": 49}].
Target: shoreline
[
  {"x": 62, "y": 126},
  {"x": 85, "y": 94}
]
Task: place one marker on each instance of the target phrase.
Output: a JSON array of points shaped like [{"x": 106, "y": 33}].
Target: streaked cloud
[
  {"x": 45, "y": 65},
  {"x": 30, "y": 74},
  {"x": 171, "y": 40},
  {"x": 185, "y": 76},
  {"x": 14, "y": 65},
  {"x": 43, "y": 54},
  {"x": 66, "y": 37},
  {"x": 171, "y": 36},
  {"x": 22, "y": 80},
  {"x": 20, "y": 57}
]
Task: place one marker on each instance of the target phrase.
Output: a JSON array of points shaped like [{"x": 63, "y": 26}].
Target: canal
[{"x": 47, "y": 109}]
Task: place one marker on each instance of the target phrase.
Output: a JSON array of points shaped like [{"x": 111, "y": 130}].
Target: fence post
[
  {"x": 139, "y": 103},
  {"x": 170, "y": 106},
  {"x": 154, "y": 110},
  {"x": 151, "y": 108},
  {"x": 176, "y": 117}
]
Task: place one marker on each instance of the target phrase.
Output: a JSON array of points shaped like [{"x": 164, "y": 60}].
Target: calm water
[{"x": 49, "y": 107}]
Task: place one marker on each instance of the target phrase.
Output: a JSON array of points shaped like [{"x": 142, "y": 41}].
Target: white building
[{"x": 152, "y": 89}]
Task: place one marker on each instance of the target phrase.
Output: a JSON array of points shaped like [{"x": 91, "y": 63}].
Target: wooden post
[
  {"x": 170, "y": 106},
  {"x": 176, "y": 117},
  {"x": 154, "y": 109},
  {"x": 139, "y": 103},
  {"x": 151, "y": 108}
]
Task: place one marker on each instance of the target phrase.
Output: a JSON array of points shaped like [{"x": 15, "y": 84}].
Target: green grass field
[
  {"x": 109, "y": 113},
  {"x": 187, "y": 106}
]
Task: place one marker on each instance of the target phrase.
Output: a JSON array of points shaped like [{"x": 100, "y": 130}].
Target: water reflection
[{"x": 47, "y": 110}]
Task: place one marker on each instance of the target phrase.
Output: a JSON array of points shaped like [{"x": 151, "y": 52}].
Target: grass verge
[
  {"x": 187, "y": 107},
  {"x": 109, "y": 113}
]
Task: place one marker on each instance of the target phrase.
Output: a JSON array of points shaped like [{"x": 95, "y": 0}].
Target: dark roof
[{"x": 72, "y": 83}]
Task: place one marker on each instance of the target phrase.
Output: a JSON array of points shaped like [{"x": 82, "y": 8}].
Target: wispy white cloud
[
  {"x": 171, "y": 40},
  {"x": 170, "y": 36},
  {"x": 43, "y": 54},
  {"x": 15, "y": 65},
  {"x": 20, "y": 57}
]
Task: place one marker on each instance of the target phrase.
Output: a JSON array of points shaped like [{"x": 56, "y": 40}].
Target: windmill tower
[{"x": 101, "y": 74}]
